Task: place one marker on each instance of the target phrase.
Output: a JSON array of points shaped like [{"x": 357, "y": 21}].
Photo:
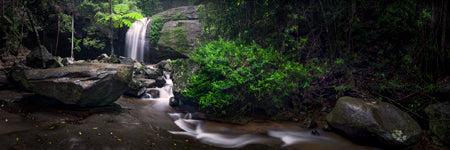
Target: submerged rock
[
  {"x": 85, "y": 85},
  {"x": 439, "y": 115},
  {"x": 374, "y": 122}
]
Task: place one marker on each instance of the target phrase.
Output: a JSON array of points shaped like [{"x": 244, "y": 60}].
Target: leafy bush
[
  {"x": 236, "y": 79},
  {"x": 155, "y": 28}
]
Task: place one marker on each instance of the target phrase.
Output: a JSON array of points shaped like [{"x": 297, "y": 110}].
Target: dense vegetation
[
  {"x": 385, "y": 50},
  {"x": 238, "y": 78}
]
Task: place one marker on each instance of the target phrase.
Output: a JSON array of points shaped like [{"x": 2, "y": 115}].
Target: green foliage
[
  {"x": 155, "y": 28},
  {"x": 76, "y": 43},
  {"x": 95, "y": 43},
  {"x": 150, "y": 7},
  {"x": 122, "y": 16},
  {"x": 235, "y": 78}
]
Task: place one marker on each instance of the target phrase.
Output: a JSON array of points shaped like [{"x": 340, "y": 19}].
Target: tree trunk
[
  {"x": 37, "y": 37},
  {"x": 71, "y": 50},
  {"x": 444, "y": 26},
  {"x": 3, "y": 8},
  {"x": 112, "y": 29},
  {"x": 443, "y": 40},
  {"x": 21, "y": 30},
  {"x": 57, "y": 34}
]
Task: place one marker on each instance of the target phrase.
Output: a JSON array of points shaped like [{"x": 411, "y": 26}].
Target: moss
[
  {"x": 178, "y": 16},
  {"x": 165, "y": 36},
  {"x": 180, "y": 40}
]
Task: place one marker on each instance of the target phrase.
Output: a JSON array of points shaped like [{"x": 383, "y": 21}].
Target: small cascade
[
  {"x": 165, "y": 93},
  {"x": 135, "y": 39}
]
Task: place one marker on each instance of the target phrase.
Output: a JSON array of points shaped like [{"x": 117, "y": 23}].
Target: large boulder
[
  {"x": 34, "y": 59},
  {"x": 180, "y": 36},
  {"x": 185, "y": 12},
  {"x": 181, "y": 70},
  {"x": 86, "y": 84},
  {"x": 377, "y": 122},
  {"x": 439, "y": 124}
]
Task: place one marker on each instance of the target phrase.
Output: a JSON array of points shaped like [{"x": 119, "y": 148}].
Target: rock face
[
  {"x": 180, "y": 35},
  {"x": 181, "y": 69},
  {"x": 188, "y": 12},
  {"x": 439, "y": 115},
  {"x": 377, "y": 122},
  {"x": 85, "y": 85},
  {"x": 34, "y": 59}
]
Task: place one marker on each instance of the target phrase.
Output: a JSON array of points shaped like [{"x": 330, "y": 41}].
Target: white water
[
  {"x": 165, "y": 93},
  {"x": 135, "y": 39}
]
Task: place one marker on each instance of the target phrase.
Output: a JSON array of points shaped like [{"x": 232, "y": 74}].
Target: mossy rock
[{"x": 379, "y": 122}]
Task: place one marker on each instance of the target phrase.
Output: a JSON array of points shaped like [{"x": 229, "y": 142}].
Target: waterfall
[{"x": 135, "y": 39}]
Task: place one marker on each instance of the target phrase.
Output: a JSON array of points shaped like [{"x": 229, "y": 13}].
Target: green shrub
[
  {"x": 235, "y": 79},
  {"x": 155, "y": 28}
]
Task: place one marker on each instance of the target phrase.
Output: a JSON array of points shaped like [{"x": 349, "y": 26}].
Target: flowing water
[
  {"x": 275, "y": 134},
  {"x": 135, "y": 44}
]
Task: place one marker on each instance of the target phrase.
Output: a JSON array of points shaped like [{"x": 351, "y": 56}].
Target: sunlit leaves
[
  {"x": 234, "y": 75},
  {"x": 121, "y": 9}
]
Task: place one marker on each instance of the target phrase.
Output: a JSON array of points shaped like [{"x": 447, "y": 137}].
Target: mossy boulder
[
  {"x": 376, "y": 122},
  {"x": 181, "y": 70},
  {"x": 439, "y": 124},
  {"x": 85, "y": 85},
  {"x": 180, "y": 36}
]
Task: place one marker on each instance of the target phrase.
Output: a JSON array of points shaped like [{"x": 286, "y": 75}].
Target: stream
[{"x": 32, "y": 122}]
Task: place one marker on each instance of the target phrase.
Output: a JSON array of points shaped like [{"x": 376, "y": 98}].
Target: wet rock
[
  {"x": 103, "y": 58},
  {"x": 377, "y": 122},
  {"x": 439, "y": 124},
  {"x": 67, "y": 61},
  {"x": 154, "y": 93},
  {"x": 309, "y": 123},
  {"x": 126, "y": 61},
  {"x": 153, "y": 73},
  {"x": 139, "y": 83},
  {"x": 137, "y": 66},
  {"x": 165, "y": 65},
  {"x": 182, "y": 69},
  {"x": 174, "y": 102},
  {"x": 85, "y": 85},
  {"x": 135, "y": 88},
  {"x": 315, "y": 132},
  {"x": 34, "y": 59}
]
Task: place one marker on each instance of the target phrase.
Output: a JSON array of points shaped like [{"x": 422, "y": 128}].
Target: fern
[
  {"x": 121, "y": 8},
  {"x": 133, "y": 15}
]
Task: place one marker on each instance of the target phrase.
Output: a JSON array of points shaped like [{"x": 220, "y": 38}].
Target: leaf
[
  {"x": 133, "y": 15},
  {"x": 121, "y": 8}
]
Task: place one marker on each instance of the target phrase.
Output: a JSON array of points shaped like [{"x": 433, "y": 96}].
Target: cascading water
[
  {"x": 276, "y": 135},
  {"x": 135, "y": 39}
]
